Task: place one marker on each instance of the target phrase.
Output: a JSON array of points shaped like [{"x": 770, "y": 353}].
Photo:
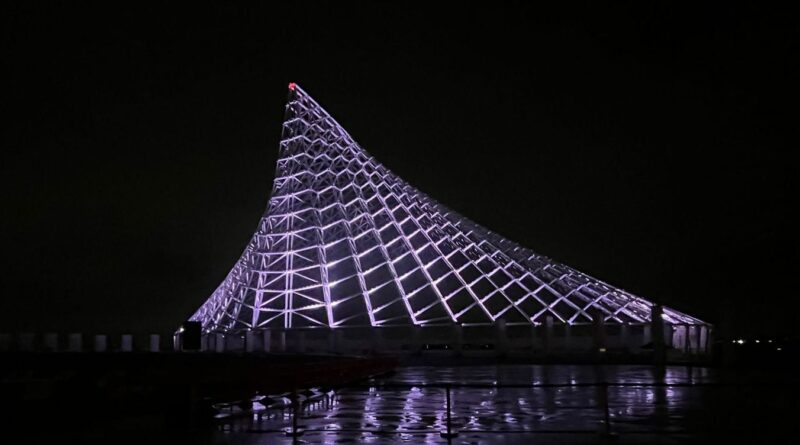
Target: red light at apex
[{"x": 292, "y": 86}]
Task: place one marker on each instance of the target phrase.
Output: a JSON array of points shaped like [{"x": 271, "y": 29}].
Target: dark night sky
[{"x": 648, "y": 144}]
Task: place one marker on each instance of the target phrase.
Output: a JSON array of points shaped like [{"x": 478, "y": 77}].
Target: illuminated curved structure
[{"x": 345, "y": 242}]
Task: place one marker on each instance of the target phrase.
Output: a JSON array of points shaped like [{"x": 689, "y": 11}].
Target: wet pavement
[{"x": 495, "y": 415}]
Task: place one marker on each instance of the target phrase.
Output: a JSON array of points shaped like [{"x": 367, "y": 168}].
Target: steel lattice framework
[{"x": 345, "y": 242}]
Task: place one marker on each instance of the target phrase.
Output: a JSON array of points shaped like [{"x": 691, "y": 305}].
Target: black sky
[{"x": 648, "y": 144}]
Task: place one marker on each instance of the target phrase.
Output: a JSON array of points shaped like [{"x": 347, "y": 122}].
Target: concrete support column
[
  {"x": 26, "y": 341},
  {"x": 155, "y": 343},
  {"x": 211, "y": 342},
  {"x": 548, "y": 334},
  {"x": 599, "y": 330},
  {"x": 668, "y": 330},
  {"x": 686, "y": 345},
  {"x": 416, "y": 339},
  {"x": 567, "y": 337},
  {"x": 647, "y": 336},
  {"x": 75, "y": 342},
  {"x": 300, "y": 342},
  {"x": 219, "y": 342},
  {"x": 501, "y": 337},
  {"x": 458, "y": 339},
  {"x": 678, "y": 337},
  {"x": 694, "y": 339},
  {"x": 51, "y": 342},
  {"x": 624, "y": 340},
  {"x": 250, "y": 341},
  {"x": 657, "y": 327},
  {"x": 282, "y": 341},
  {"x": 703, "y": 347},
  {"x": 266, "y": 340},
  {"x": 533, "y": 338},
  {"x": 126, "y": 343},
  {"x": 234, "y": 343},
  {"x": 100, "y": 343}
]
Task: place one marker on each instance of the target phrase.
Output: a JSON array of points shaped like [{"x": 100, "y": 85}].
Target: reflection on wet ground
[{"x": 660, "y": 414}]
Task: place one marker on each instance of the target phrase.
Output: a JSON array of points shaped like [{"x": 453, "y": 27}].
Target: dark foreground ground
[
  {"x": 125, "y": 397},
  {"x": 166, "y": 398}
]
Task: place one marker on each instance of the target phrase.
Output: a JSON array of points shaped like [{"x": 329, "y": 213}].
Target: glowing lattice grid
[{"x": 345, "y": 242}]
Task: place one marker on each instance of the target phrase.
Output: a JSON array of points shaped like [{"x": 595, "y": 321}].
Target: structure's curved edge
[{"x": 229, "y": 300}]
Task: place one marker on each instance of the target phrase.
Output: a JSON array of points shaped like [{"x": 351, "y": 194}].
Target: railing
[{"x": 449, "y": 432}]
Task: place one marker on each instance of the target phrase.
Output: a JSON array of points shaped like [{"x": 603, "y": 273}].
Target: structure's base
[{"x": 468, "y": 341}]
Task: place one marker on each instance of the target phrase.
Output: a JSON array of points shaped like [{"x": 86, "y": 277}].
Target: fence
[{"x": 600, "y": 410}]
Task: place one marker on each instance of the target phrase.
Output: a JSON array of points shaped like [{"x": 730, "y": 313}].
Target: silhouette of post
[
  {"x": 598, "y": 330},
  {"x": 126, "y": 343},
  {"x": 703, "y": 346},
  {"x": 51, "y": 342},
  {"x": 155, "y": 342},
  {"x": 100, "y": 343},
  {"x": 266, "y": 340},
  {"x": 282, "y": 341},
  {"x": 75, "y": 343},
  {"x": 548, "y": 334},
  {"x": 219, "y": 342},
  {"x": 250, "y": 342},
  {"x": 416, "y": 339},
  {"x": 623, "y": 337},
  {"x": 501, "y": 337},
  {"x": 458, "y": 340},
  {"x": 657, "y": 333},
  {"x": 568, "y": 337}
]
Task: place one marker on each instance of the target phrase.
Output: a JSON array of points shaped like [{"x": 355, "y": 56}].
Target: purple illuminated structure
[{"x": 345, "y": 242}]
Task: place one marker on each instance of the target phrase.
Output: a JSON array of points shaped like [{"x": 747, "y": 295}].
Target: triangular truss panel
[{"x": 345, "y": 242}]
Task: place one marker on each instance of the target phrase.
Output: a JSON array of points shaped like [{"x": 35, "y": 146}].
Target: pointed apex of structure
[{"x": 346, "y": 242}]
